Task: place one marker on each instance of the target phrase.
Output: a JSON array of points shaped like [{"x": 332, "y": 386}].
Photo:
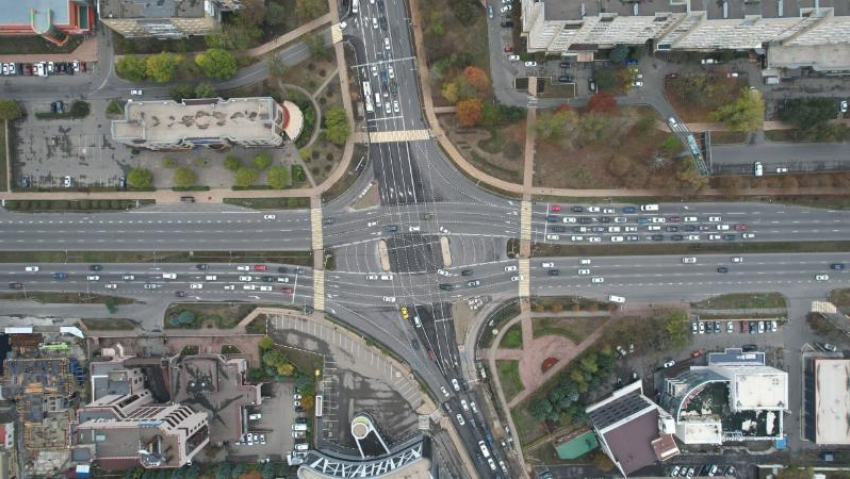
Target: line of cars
[
  {"x": 753, "y": 327},
  {"x": 474, "y": 283},
  {"x": 43, "y": 69},
  {"x": 701, "y": 470}
]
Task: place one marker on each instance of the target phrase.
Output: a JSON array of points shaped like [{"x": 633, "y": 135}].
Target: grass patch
[
  {"x": 509, "y": 378},
  {"x": 299, "y": 258},
  {"x": 77, "y": 109},
  {"x": 230, "y": 349},
  {"x": 115, "y": 108},
  {"x": 543, "y": 250},
  {"x": 270, "y": 203},
  {"x": 4, "y": 181},
  {"x": 840, "y": 297},
  {"x": 108, "y": 324},
  {"x": 359, "y": 158},
  {"x": 257, "y": 326},
  {"x": 574, "y": 329},
  {"x": 728, "y": 137},
  {"x": 84, "y": 206},
  {"x": 512, "y": 338},
  {"x": 556, "y": 304},
  {"x": 210, "y": 315},
  {"x": 528, "y": 428},
  {"x": 62, "y": 298},
  {"x": 493, "y": 169},
  {"x": 742, "y": 315},
  {"x": 696, "y": 95},
  {"x": 497, "y": 319},
  {"x": 557, "y": 90},
  {"x": 189, "y": 351},
  {"x": 34, "y": 44},
  {"x": 743, "y": 301}
]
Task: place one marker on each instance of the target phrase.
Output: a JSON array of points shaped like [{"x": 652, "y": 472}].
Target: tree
[
  {"x": 275, "y": 66},
  {"x": 477, "y": 79},
  {"x": 677, "y": 328},
  {"x": 132, "y": 67},
  {"x": 268, "y": 471},
  {"x": 309, "y": 9},
  {"x": 205, "y": 90},
  {"x": 746, "y": 113},
  {"x": 276, "y": 15},
  {"x": 262, "y": 161},
  {"x": 450, "y": 91},
  {"x": 337, "y": 126},
  {"x": 469, "y": 112},
  {"x": 671, "y": 145},
  {"x": 619, "y": 53},
  {"x": 110, "y": 305},
  {"x": 237, "y": 470},
  {"x": 540, "y": 409},
  {"x": 464, "y": 10},
  {"x": 162, "y": 67},
  {"x": 690, "y": 179},
  {"x": 246, "y": 177},
  {"x": 602, "y": 462},
  {"x": 9, "y": 110},
  {"x": 278, "y": 177},
  {"x": 184, "y": 177},
  {"x": 252, "y": 13},
  {"x": 223, "y": 471},
  {"x": 232, "y": 162},
  {"x": 181, "y": 91},
  {"x": 285, "y": 369},
  {"x": 807, "y": 112},
  {"x": 316, "y": 46},
  {"x": 554, "y": 125},
  {"x": 217, "y": 63},
  {"x": 140, "y": 178},
  {"x": 602, "y": 102}
]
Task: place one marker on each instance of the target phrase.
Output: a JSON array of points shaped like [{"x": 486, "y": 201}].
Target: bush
[
  {"x": 183, "y": 319},
  {"x": 140, "y": 178},
  {"x": 184, "y": 177},
  {"x": 262, "y": 161},
  {"x": 278, "y": 177},
  {"x": 298, "y": 174},
  {"x": 217, "y": 63},
  {"x": 132, "y": 67},
  {"x": 114, "y": 107},
  {"x": 232, "y": 162},
  {"x": 245, "y": 177}
]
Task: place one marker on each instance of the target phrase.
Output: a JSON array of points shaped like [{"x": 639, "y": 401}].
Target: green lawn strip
[
  {"x": 556, "y": 304},
  {"x": 497, "y": 319},
  {"x": 3, "y": 159},
  {"x": 558, "y": 90},
  {"x": 71, "y": 298},
  {"x": 728, "y": 137},
  {"x": 509, "y": 378},
  {"x": 108, "y": 324},
  {"x": 575, "y": 329},
  {"x": 528, "y": 428},
  {"x": 351, "y": 175},
  {"x": 270, "y": 203},
  {"x": 81, "y": 206},
  {"x": 840, "y": 297},
  {"x": 229, "y": 349},
  {"x": 512, "y": 338},
  {"x": 743, "y": 301},
  {"x": 217, "y": 315},
  {"x": 300, "y": 258},
  {"x": 737, "y": 247},
  {"x": 737, "y": 316}
]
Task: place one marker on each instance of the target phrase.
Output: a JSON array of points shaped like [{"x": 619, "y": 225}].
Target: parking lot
[{"x": 272, "y": 427}]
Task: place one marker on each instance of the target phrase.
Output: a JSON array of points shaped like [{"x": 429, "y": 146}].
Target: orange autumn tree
[
  {"x": 601, "y": 103},
  {"x": 469, "y": 112}
]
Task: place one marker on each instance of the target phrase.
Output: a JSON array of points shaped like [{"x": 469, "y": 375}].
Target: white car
[
  {"x": 460, "y": 419},
  {"x": 569, "y": 219},
  {"x": 690, "y": 219},
  {"x": 265, "y": 288},
  {"x": 653, "y": 228},
  {"x": 413, "y": 229},
  {"x": 614, "y": 229},
  {"x": 196, "y": 286},
  {"x": 584, "y": 261},
  {"x": 672, "y": 122},
  {"x": 249, "y": 287},
  {"x": 386, "y": 44},
  {"x": 616, "y": 239},
  {"x": 531, "y": 64},
  {"x": 822, "y": 277},
  {"x": 713, "y": 237},
  {"x": 396, "y": 108},
  {"x": 689, "y": 260},
  {"x": 375, "y": 23},
  {"x": 455, "y": 384},
  {"x": 32, "y": 269},
  {"x": 374, "y": 70},
  {"x": 583, "y": 272},
  {"x": 548, "y": 265},
  {"x": 620, "y": 219},
  {"x": 388, "y": 108},
  {"x": 516, "y": 278},
  {"x": 443, "y": 272},
  {"x": 693, "y": 237},
  {"x": 473, "y": 406},
  {"x": 722, "y": 227},
  {"x": 576, "y": 238},
  {"x": 464, "y": 405},
  {"x": 111, "y": 286},
  {"x": 243, "y": 268},
  {"x": 505, "y": 9},
  {"x": 210, "y": 277},
  {"x": 391, "y": 71},
  {"x": 443, "y": 390},
  {"x": 597, "y": 279},
  {"x": 372, "y": 277},
  {"x": 513, "y": 58},
  {"x": 595, "y": 239},
  {"x": 593, "y": 209},
  {"x": 282, "y": 279},
  {"x": 630, "y": 229},
  {"x": 169, "y": 275},
  {"x": 669, "y": 364},
  {"x": 67, "y": 182},
  {"x": 128, "y": 277},
  {"x": 93, "y": 277},
  {"x": 658, "y": 219},
  {"x": 714, "y": 219},
  {"x": 748, "y": 236},
  {"x": 229, "y": 287},
  {"x": 511, "y": 267},
  {"x": 245, "y": 278},
  {"x": 269, "y": 217},
  {"x": 386, "y": 277},
  {"x": 553, "y": 237},
  {"x": 737, "y": 259},
  {"x": 389, "y": 299},
  {"x": 136, "y": 92},
  {"x": 609, "y": 211}
]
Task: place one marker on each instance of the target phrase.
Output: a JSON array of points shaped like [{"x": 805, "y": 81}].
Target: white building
[{"x": 832, "y": 401}]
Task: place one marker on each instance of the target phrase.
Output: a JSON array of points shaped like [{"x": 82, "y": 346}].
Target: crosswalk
[
  {"x": 319, "y": 289},
  {"x": 336, "y": 33},
  {"x": 318, "y": 239},
  {"x": 524, "y": 277},
  {"x": 525, "y": 221},
  {"x": 397, "y": 136}
]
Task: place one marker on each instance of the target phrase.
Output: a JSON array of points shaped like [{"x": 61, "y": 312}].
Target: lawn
[
  {"x": 301, "y": 258},
  {"x": 528, "y": 428},
  {"x": 556, "y": 304},
  {"x": 108, "y": 324},
  {"x": 323, "y": 156},
  {"x": 70, "y": 298},
  {"x": 742, "y": 301},
  {"x": 495, "y": 322},
  {"x": 497, "y": 151},
  {"x": 728, "y": 137},
  {"x": 695, "y": 96},
  {"x": 210, "y": 315},
  {"x": 270, "y": 203},
  {"x": 557, "y": 90},
  {"x": 3, "y": 159},
  {"x": 575, "y": 329},
  {"x": 509, "y": 378},
  {"x": 358, "y": 164},
  {"x": 512, "y": 338},
  {"x": 36, "y": 45},
  {"x": 310, "y": 73}
]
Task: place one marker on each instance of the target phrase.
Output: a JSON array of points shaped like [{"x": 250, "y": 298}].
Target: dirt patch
[
  {"x": 498, "y": 152},
  {"x": 696, "y": 95}
]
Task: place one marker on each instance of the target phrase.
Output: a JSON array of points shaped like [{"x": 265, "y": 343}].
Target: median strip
[{"x": 300, "y": 258}]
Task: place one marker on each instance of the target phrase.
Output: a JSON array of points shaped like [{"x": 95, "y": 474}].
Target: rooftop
[
  {"x": 151, "y": 8},
  {"x": 19, "y": 11},
  {"x": 736, "y": 9},
  {"x": 832, "y": 401},
  {"x": 631, "y": 442},
  {"x": 735, "y": 356},
  {"x": 760, "y": 387},
  {"x": 616, "y": 411}
]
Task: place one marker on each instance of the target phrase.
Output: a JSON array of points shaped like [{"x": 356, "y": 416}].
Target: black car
[
  {"x": 381, "y": 5},
  {"x": 180, "y": 294},
  {"x": 508, "y": 24},
  {"x": 729, "y": 237},
  {"x": 577, "y": 209},
  {"x": 391, "y": 228},
  {"x": 599, "y": 229},
  {"x": 282, "y": 269},
  {"x": 415, "y": 344},
  {"x": 605, "y": 219},
  {"x": 723, "y": 269},
  {"x": 466, "y": 272},
  {"x": 201, "y": 266},
  {"x": 566, "y": 79},
  {"x": 447, "y": 287},
  {"x": 585, "y": 220},
  {"x": 16, "y": 285},
  {"x": 267, "y": 279},
  {"x": 393, "y": 88},
  {"x": 657, "y": 237},
  {"x": 328, "y": 221},
  {"x": 747, "y": 348},
  {"x": 95, "y": 267},
  {"x": 559, "y": 229},
  {"x": 383, "y": 22},
  {"x": 677, "y": 237},
  {"x": 672, "y": 229},
  {"x": 837, "y": 266},
  {"x": 689, "y": 228},
  {"x": 554, "y": 272},
  {"x": 552, "y": 219},
  {"x": 300, "y": 271}
]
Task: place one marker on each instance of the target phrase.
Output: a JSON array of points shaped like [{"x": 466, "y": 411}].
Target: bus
[
  {"x": 367, "y": 97},
  {"x": 318, "y": 405}
]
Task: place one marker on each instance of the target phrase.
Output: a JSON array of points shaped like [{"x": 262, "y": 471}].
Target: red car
[
  {"x": 741, "y": 227},
  {"x": 675, "y": 219},
  {"x": 509, "y": 48},
  {"x": 286, "y": 290},
  {"x": 554, "y": 208},
  {"x": 260, "y": 267}
]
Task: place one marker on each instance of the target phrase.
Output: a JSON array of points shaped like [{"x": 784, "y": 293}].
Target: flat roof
[
  {"x": 18, "y": 12},
  {"x": 169, "y": 122},
  {"x": 151, "y": 8},
  {"x": 760, "y": 388},
  {"x": 631, "y": 443},
  {"x": 827, "y": 57},
  {"x": 736, "y": 9},
  {"x": 832, "y": 401}
]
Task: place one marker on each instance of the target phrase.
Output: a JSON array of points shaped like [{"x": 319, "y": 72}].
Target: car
[
  {"x": 455, "y": 385},
  {"x": 388, "y": 109},
  {"x": 713, "y": 237},
  {"x": 490, "y": 12},
  {"x": 773, "y": 325},
  {"x": 722, "y": 269},
  {"x": 505, "y": 9},
  {"x": 136, "y": 92},
  {"x": 404, "y": 313},
  {"x": 617, "y": 239},
  {"x": 672, "y": 122},
  {"x": 473, "y": 283},
  {"x": 748, "y": 236},
  {"x": 657, "y": 237},
  {"x": 594, "y": 239},
  {"x": 243, "y": 268},
  {"x": 249, "y": 287},
  {"x": 669, "y": 364},
  {"x": 822, "y": 277},
  {"x": 51, "y": 68},
  {"x": 514, "y": 57},
  {"x": 701, "y": 327},
  {"x": 842, "y": 107},
  {"x": 391, "y": 71},
  {"x": 597, "y": 280},
  {"x": 67, "y": 182},
  {"x": 511, "y": 267},
  {"x": 413, "y": 229},
  {"x": 387, "y": 44},
  {"x": 389, "y": 299},
  {"x": 383, "y": 22},
  {"x": 16, "y": 285},
  {"x": 674, "y": 471},
  {"x": 111, "y": 286},
  {"x": 375, "y": 23},
  {"x": 246, "y": 278},
  {"x": 516, "y": 278},
  {"x": 530, "y": 64},
  {"x": 554, "y": 208},
  {"x": 260, "y": 267},
  {"x": 689, "y": 260},
  {"x": 92, "y": 277},
  {"x": 566, "y": 79},
  {"x": 196, "y": 286},
  {"x": 508, "y": 48},
  {"x": 460, "y": 419},
  {"x": 569, "y": 219},
  {"x": 695, "y": 327},
  {"x": 837, "y": 266},
  {"x": 386, "y": 277},
  {"x": 547, "y": 265},
  {"x": 827, "y": 347},
  {"x": 32, "y": 269},
  {"x": 761, "y": 327},
  {"x": 151, "y": 286},
  {"x": 551, "y": 237},
  {"x": 507, "y": 24}
]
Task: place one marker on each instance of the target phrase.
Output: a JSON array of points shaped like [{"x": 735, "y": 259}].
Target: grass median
[
  {"x": 639, "y": 249},
  {"x": 270, "y": 203},
  {"x": 743, "y": 301},
  {"x": 299, "y": 258},
  {"x": 62, "y": 298}
]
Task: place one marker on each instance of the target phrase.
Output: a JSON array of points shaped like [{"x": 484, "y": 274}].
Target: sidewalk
[{"x": 291, "y": 36}]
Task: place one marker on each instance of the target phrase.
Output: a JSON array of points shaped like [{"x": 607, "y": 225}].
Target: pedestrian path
[
  {"x": 397, "y": 136},
  {"x": 524, "y": 278},
  {"x": 336, "y": 33},
  {"x": 288, "y": 37},
  {"x": 319, "y": 289},
  {"x": 525, "y": 221},
  {"x": 316, "y": 224}
]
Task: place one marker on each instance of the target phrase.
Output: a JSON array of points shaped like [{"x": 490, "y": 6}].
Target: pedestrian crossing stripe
[
  {"x": 525, "y": 221},
  {"x": 397, "y": 136},
  {"x": 524, "y": 275},
  {"x": 316, "y": 224},
  {"x": 336, "y": 33},
  {"x": 319, "y": 289}
]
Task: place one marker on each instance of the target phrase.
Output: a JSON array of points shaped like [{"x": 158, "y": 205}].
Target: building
[
  {"x": 209, "y": 123},
  {"x": 163, "y": 18},
  {"x": 752, "y": 390},
  {"x": 796, "y": 33},
  {"x": 53, "y": 20},
  {"x": 633, "y": 431},
  {"x": 832, "y": 401},
  {"x": 410, "y": 460}
]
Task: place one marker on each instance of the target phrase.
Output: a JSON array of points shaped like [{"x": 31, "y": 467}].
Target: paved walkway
[
  {"x": 445, "y": 110},
  {"x": 86, "y": 52},
  {"x": 289, "y": 37}
]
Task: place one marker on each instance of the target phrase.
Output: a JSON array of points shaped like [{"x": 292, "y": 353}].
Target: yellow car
[{"x": 404, "y": 312}]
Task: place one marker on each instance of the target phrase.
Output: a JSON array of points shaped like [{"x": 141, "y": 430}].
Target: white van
[
  {"x": 210, "y": 277},
  {"x": 758, "y": 169},
  {"x": 302, "y": 447},
  {"x": 616, "y": 299},
  {"x": 649, "y": 207}
]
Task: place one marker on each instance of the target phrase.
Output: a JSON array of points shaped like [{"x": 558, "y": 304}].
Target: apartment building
[
  {"x": 53, "y": 20},
  {"x": 793, "y": 33},
  {"x": 163, "y": 18}
]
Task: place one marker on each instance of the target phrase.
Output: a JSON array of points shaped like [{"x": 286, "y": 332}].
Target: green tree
[
  {"x": 162, "y": 67},
  {"x": 262, "y": 161},
  {"x": 9, "y": 110},
  {"x": 793, "y": 472},
  {"x": 184, "y": 177},
  {"x": 276, "y": 15},
  {"x": 807, "y": 112},
  {"x": 316, "y": 46},
  {"x": 217, "y": 63},
  {"x": 140, "y": 178},
  {"x": 266, "y": 343},
  {"x": 309, "y": 9},
  {"x": 619, "y": 53},
  {"x": 181, "y": 91},
  {"x": 602, "y": 462},
  {"x": 677, "y": 328},
  {"x": 278, "y": 177},
  {"x": 551, "y": 126},
  {"x": 540, "y": 409},
  {"x": 110, "y": 305},
  {"x": 205, "y": 90},
  {"x": 253, "y": 12},
  {"x": 223, "y": 471},
  {"x": 132, "y": 67},
  {"x": 671, "y": 145},
  {"x": 169, "y": 163},
  {"x": 245, "y": 177},
  {"x": 746, "y": 113},
  {"x": 337, "y": 126},
  {"x": 237, "y": 470},
  {"x": 268, "y": 471},
  {"x": 232, "y": 162},
  {"x": 690, "y": 179}
]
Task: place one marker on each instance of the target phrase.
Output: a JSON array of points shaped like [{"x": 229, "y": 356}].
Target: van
[
  {"x": 299, "y": 427},
  {"x": 484, "y": 450},
  {"x": 417, "y": 321},
  {"x": 649, "y": 207},
  {"x": 355, "y": 6},
  {"x": 616, "y": 299},
  {"x": 378, "y": 100},
  {"x": 302, "y": 447},
  {"x": 254, "y": 417},
  {"x": 758, "y": 169}
]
